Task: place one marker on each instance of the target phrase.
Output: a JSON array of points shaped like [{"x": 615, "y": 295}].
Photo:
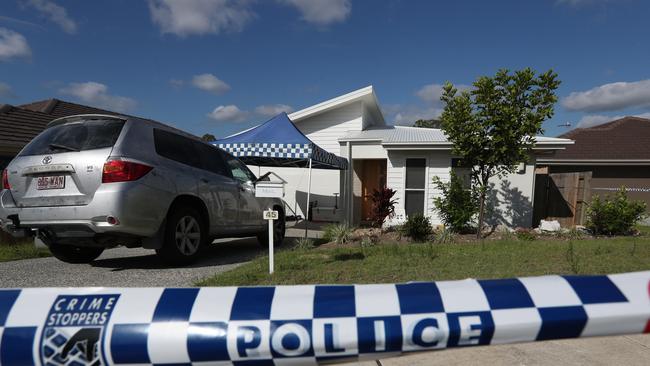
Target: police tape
[{"x": 312, "y": 324}]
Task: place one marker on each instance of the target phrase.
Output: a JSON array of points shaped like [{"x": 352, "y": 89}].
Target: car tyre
[
  {"x": 185, "y": 236},
  {"x": 73, "y": 254},
  {"x": 279, "y": 228}
]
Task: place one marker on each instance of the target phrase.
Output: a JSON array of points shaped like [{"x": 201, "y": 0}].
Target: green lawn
[
  {"x": 423, "y": 262},
  {"x": 21, "y": 250}
]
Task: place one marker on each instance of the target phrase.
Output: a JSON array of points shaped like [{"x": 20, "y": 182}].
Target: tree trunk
[{"x": 481, "y": 214}]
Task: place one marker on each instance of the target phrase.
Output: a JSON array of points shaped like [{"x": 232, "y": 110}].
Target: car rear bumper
[{"x": 140, "y": 210}]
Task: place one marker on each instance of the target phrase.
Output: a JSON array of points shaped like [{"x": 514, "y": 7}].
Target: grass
[
  {"x": 425, "y": 262},
  {"x": 21, "y": 250}
]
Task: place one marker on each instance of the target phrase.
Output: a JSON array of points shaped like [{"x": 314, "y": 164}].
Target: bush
[
  {"x": 445, "y": 236},
  {"x": 383, "y": 205},
  {"x": 525, "y": 235},
  {"x": 338, "y": 233},
  {"x": 303, "y": 243},
  {"x": 614, "y": 215},
  {"x": 457, "y": 205},
  {"x": 417, "y": 227}
]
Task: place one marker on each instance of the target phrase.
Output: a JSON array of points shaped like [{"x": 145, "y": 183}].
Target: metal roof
[{"x": 402, "y": 135}]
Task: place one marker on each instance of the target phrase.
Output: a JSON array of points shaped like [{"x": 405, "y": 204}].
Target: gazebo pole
[{"x": 308, "y": 193}]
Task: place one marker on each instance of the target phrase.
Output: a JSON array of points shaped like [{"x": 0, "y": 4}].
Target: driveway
[{"x": 123, "y": 267}]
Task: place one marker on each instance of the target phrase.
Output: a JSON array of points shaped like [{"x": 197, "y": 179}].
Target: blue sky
[{"x": 220, "y": 66}]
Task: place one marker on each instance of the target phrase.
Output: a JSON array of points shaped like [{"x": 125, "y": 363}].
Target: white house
[{"x": 402, "y": 158}]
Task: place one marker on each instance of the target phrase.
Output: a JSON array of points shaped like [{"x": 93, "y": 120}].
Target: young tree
[{"x": 493, "y": 125}]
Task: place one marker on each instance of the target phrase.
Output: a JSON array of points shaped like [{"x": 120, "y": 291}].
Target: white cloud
[
  {"x": 96, "y": 94},
  {"x": 610, "y": 97},
  {"x": 228, "y": 113},
  {"x": 597, "y": 119},
  {"x": 6, "y": 91},
  {"x": 176, "y": 83},
  {"x": 196, "y": 17},
  {"x": 13, "y": 45},
  {"x": 210, "y": 83},
  {"x": 271, "y": 110},
  {"x": 321, "y": 12},
  {"x": 431, "y": 93},
  {"x": 406, "y": 115},
  {"x": 55, "y": 13}
]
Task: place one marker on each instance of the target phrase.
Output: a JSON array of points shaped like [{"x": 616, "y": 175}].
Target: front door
[{"x": 373, "y": 177}]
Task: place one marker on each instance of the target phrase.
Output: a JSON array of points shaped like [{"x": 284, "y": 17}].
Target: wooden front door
[{"x": 373, "y": 177}]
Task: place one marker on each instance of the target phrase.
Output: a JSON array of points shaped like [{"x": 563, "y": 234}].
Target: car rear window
[{"x": 76, "y": 136}]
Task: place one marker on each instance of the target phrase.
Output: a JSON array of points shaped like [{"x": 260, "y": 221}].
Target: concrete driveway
[{"x": 123, "y": 267}]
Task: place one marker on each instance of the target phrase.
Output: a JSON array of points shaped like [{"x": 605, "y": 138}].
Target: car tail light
[
  {"x": 5, "y": 180},
  {"x": 123, "y": 171}
]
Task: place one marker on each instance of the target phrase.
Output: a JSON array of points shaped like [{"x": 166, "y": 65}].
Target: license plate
[{"x": 53, "y": 182}]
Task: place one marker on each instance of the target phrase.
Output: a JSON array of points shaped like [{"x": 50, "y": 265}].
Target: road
[{"x": 620, "y": 350}]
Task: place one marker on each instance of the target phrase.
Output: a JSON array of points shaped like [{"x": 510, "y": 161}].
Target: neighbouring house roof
[
  {"x": 20, "y": 124},
  {"x": 366, "y": 95},
  {"x": 624, "y": 141},
  {"x": 61, "y": 108},
  {"x": 390, "y": 136}
]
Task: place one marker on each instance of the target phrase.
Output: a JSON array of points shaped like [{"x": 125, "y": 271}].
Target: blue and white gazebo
[{"x": 278, "y": 143}]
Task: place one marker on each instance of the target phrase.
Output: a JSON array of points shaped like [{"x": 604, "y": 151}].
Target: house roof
[
  {"x": 365, "y": 95},
  {"x": 624, "y": 140},
  {"x": 61, "y": 108},
  {"x": 20, "y": 124},
  {"x": 419, "y": 136}
]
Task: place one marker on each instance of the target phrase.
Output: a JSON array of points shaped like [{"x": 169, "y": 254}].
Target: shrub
[
  {"x": 338, "y": 233},
  {"x": 417, "y": 227},
  {"x": 525, "y": 235},
  {"x": 383, "y": 205},
  {"x": 303, "y": 243},
  {"x": 457, "y": 205},
  {"x": 445, "y": 236},
  {"x": 614, "y": 215}
]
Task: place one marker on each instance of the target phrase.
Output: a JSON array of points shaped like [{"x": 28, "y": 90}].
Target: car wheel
[
  {"x": 185, "y": 236},
  {"x": 72, "y": 254},
  {"x": 279, "y": 227}
]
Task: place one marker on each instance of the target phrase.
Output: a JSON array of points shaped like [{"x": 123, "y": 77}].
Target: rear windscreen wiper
[{"x": 63, "y": 147}]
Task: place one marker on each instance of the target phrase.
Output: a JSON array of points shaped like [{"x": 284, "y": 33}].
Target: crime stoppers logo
[{"x": 74, "y": 330}]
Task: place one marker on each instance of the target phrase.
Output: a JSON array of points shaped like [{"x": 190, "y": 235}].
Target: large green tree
[
  {"x": 493, "y": 125},
  {"x": 427, "y": 123},
  {"x": 208, "y": 137}
]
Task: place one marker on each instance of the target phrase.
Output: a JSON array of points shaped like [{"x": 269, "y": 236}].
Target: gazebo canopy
[{"x": 277, "y": 142}]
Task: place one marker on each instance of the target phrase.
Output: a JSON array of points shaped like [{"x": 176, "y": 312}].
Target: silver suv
[{"x": 91, "y": 182}]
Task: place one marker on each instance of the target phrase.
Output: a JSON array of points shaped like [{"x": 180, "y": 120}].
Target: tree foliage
[
  {"x": 427, "y": 123},
  {"x": 208, "y": 137},
  {"x": 493, "y": 125},
  {"x": 456, "y": 204}
]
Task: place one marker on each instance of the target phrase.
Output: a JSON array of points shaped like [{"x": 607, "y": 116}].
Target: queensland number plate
[{"x": 51, "y": 182}]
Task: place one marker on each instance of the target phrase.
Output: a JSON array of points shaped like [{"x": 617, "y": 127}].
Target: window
[
  {"x": 77, "y": 136},
  {"x": 239, "y": 170},
  {"x": 415, "y": 186},
  {"x": 211, "y": 159},
  {"x": 176, "y": 147}
]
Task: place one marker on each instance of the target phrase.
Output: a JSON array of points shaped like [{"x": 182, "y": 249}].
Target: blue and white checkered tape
[{"x": 311, "y": 324}]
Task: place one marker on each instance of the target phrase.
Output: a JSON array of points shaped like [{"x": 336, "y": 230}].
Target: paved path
[{"x": 620, "y": 350}]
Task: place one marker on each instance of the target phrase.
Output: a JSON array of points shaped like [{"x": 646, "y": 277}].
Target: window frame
[{"x": 423, "y": 189}]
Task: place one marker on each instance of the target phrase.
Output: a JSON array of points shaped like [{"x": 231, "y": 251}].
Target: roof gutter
[{"x": 626, "y": 162}]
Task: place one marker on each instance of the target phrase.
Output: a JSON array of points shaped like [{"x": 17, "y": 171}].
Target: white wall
[{"x": 512, "y": 197}]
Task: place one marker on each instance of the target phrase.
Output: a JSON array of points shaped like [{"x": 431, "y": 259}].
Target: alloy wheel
[{"x": 188, "y": 235}]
